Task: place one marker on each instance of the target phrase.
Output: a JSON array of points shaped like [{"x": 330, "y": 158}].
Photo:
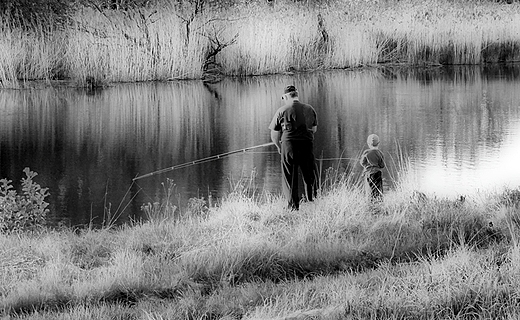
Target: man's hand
[{"x": 275, "y": 137}]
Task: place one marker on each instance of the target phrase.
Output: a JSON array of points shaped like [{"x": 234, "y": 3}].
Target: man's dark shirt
[{"x": 296, "y": 121}]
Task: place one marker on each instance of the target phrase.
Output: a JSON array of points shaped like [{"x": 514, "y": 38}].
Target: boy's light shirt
[{"x": 370, "y": 167}]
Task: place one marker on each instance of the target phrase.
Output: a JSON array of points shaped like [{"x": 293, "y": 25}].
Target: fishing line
[
  {"x": 335, "y": 159},
  {"x": 317, "y": 159},
  {"x": 261, "y": 152}
]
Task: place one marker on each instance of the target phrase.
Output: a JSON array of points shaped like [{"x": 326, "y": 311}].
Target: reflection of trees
[
  {"x": 95, "y": 143},
  {"x": 454, "y": 113}
]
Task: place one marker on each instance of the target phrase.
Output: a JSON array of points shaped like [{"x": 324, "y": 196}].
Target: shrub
[
  {"x": 25, "y": 211},
  {"x": 197, "y": 206}
]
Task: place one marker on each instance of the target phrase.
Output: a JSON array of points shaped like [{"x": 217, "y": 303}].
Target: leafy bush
[
  {"x": 197, "y": 206},
  {"x": 25, "y": 211}
]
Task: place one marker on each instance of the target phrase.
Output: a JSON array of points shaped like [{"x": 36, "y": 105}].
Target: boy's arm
[
  {"x": 381, "y": 161},
  {"x": 363, "y": 161}
]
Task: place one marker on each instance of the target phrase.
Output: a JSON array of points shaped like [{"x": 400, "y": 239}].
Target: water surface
[{"x": 457, "y": 129}]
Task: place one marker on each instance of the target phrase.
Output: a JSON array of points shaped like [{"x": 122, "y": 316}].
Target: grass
[
  {"x": 413, "y": 257},
  {"x": 164, "y": 43}
]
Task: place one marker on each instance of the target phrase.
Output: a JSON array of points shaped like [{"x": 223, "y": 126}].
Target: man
[{"x": 292, "y": 130}]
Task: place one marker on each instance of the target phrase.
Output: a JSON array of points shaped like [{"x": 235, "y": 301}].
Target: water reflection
[{"x": 457, "y": 128}]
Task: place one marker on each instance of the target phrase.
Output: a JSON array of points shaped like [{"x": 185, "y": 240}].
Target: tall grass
[
  {"x": 166, "y": 42},
  {"x": 135, "y": 46},
  {"x": 33, "y": 55},
  {"x": 457, "y": 33},
  {"x": 428, "y": 257}
]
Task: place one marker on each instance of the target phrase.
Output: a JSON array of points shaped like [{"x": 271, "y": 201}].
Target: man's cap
[
  {"x": 289, "y": 89},
  {"x": 373, "y": 140}
]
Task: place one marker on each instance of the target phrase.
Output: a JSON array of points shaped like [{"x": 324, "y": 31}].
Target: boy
[{"x": 373, "y": 161}]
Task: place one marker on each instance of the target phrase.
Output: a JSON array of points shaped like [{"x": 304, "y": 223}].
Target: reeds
[
  {"x": 29, "y": 55},
  {"x": 166, "y": 42},
  {"x": 460, "y": 33}
]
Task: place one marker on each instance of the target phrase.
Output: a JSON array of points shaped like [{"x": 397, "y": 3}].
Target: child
[{"x": 373, "y": 161}]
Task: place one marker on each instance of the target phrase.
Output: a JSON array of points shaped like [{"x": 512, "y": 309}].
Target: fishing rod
[{"x": 187, "y": 164}]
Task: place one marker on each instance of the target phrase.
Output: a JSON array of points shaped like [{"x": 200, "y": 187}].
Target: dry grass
[
  {"x": 140, "y": 46},
  {"x": 165, "y": 43},
  {"x": 253, "y": 260}
]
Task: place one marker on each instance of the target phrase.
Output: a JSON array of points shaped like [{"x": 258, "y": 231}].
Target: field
[
  {"x": 166, "y": 42},
  {"x": 412, "y": 257}
]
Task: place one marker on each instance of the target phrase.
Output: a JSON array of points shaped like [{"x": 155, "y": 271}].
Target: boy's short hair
[{"x": 373, "y": 140}]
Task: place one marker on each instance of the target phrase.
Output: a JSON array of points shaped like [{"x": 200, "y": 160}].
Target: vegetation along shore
[
  {"x": 412, "y": 257},
  {"x": 93, "y": 42}
]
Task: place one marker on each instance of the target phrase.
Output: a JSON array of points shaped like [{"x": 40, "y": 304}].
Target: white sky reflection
[{"x": 494, "y": 169}]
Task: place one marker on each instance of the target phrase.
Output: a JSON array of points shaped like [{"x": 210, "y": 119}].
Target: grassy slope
[{"x": 412, "y": 257}]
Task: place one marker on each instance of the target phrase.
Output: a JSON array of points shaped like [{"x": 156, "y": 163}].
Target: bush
[{"x": 22, "y": 212}]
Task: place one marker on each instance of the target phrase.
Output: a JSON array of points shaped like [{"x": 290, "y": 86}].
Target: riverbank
[
  {"x": 412, "y": 257},
  {"x": 163, "y": 42}
]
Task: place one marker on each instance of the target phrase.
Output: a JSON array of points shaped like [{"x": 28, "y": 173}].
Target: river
[{"x": 445, "y": 131}]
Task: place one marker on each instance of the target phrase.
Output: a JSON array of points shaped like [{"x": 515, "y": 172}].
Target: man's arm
[{"x": 276, "y": 136}]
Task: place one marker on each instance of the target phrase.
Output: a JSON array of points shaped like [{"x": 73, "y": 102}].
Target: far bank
[{"x": 192, "y": 41}]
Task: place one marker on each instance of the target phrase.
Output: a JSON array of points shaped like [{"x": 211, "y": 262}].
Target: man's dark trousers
[{"x": 298, "y": 154}]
